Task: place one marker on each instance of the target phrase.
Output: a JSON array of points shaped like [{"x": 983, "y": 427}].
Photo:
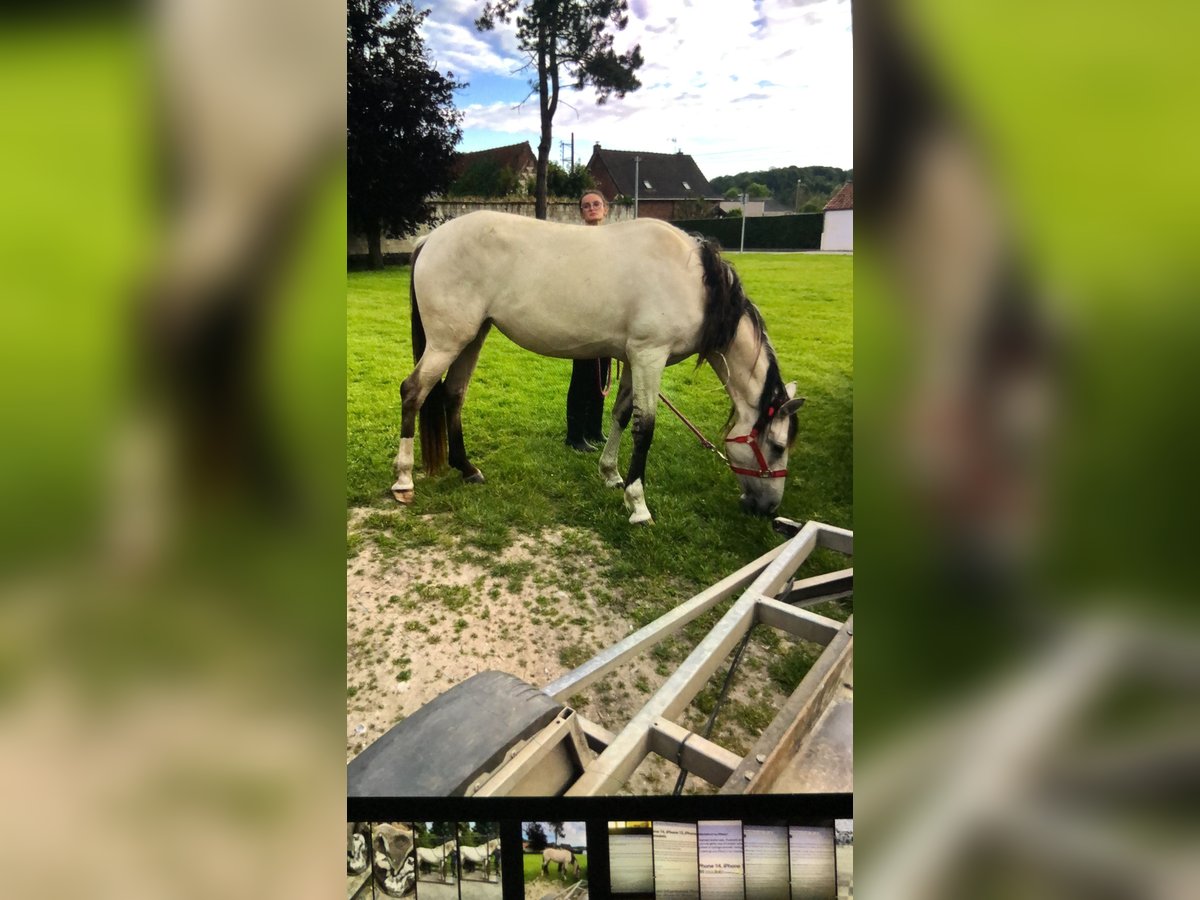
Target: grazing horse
[
  {"x": 641, "y": 291},
  {"x": 473, "y": 857},
  {"x": 395, "y": 869},
  {"x": 561, "y": 855},
  {"x": 436, "y": 856}
]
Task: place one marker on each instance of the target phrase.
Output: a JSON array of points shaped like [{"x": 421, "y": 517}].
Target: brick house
[{"x": 667, "y": 185}]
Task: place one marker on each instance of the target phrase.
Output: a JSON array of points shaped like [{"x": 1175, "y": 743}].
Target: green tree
[
  {"x": 791, "y": 185},
  {"x": 561, "y": 183},
  {"x": 401, "y": 124},
  {"x": 535, "y": 834},
  {"x": 486, "y": 178},
  {"x": 566, "y": 39}
]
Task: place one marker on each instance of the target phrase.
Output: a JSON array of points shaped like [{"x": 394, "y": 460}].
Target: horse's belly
[{"x": 562, "y": 342}]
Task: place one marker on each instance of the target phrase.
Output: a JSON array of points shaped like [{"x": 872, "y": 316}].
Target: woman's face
[{"x": 592, "y": 208}]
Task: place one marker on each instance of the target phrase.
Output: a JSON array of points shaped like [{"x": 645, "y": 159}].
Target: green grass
[
  {"x": 533, "y": 869},
  {"x": 514, "y": 425}
]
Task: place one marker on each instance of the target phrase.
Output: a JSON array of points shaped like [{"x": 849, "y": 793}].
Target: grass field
[
  {"x": 539, "y": 494},
  {"x": 533, "y": 869},
  {"x": 514, "y": 423}
]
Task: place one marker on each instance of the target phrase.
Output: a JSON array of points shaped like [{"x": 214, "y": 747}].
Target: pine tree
[{"x": 567, "y": 38}]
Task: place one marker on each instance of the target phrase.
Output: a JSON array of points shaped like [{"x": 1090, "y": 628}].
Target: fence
[
  {"x": 398, "y": 248},
  {"x": 796, "y": 232}
]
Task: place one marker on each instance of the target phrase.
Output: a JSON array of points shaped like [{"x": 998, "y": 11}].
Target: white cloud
[
  {"x": 463, "y": 49},
  {"x": 742, "y": 86}
]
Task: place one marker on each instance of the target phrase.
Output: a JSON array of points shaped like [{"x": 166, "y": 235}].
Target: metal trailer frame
[
  {"x": 770, "y": 596},
  {"x": 795, "y": 754}
]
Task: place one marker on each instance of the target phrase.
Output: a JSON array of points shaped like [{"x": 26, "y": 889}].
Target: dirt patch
[
  {"x": 420, "y": 621},
  {"x": 542, "y": 887}
]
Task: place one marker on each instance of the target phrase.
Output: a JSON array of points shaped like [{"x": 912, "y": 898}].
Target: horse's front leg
[
  {"x": 647, "y": 375},
  {"x": 622, "y": 410}
]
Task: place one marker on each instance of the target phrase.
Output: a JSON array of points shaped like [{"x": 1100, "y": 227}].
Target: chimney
[{"x": 596, "y": 149}]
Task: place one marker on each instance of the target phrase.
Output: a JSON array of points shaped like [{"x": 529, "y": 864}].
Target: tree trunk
[
  {"x": 374, "y": 247},
  {"x": 543, "y": 160}
]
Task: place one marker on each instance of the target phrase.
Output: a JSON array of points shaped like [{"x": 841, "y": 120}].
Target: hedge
[{"x": 796, "y": 232}]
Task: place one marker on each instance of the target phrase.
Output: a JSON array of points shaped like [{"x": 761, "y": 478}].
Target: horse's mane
[{"x": 725, "y": 304}]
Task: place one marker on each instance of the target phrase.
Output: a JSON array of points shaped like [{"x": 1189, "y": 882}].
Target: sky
[
  {"x": 576, "y": 833},
  {"x": 740, "y": 85}
]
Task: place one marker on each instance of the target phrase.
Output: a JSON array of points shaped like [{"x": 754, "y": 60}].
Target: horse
[
  {"x": 560, "y": 855},
  {"x": 436, "y": 856},
  {"x": 358, "y": 837},
  {"x": 477, "y": 856},
  {"x": 395, "y": 869},
  {"x": 640, "y": 291}
]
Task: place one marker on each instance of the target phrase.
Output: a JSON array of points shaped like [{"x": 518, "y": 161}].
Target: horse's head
[
  {"x": 393, "y": 847},
  {"x": 759, "y": 455}
]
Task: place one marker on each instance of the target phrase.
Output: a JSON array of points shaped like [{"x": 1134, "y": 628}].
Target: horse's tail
[
  {"x": 432, "y": 420},
  {"x": 725, "y": 301}
]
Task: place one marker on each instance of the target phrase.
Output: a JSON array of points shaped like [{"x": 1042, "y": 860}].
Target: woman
[{"x": 589, "y": 377}]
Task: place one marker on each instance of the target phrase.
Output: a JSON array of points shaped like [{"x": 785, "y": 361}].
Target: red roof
[{"x": 843, "y": 199}]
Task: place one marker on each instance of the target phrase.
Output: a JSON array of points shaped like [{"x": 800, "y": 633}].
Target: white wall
[
  {"x": 452, "y": 209},
  {"x": 839, "y": 230},
  {"x": 754, "y": 208}
]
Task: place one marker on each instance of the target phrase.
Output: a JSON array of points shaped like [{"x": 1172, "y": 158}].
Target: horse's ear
[
  {"x": 790, "y": 389},
  {"x": 791, "y": 406}
]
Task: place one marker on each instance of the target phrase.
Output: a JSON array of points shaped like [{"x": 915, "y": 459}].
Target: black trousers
[{"x": 585, "y": 400}]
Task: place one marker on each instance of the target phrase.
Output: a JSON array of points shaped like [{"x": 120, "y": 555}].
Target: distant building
[
  {"x": 755, "y": 208},
  {"x": 518, "y": 158},
  {"x": 839, "y": 220},
  {"x": 666, "y": 185}
]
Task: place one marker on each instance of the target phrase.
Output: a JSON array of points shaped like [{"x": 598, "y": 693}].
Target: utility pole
[
  {"x": 637, "y": 183},
  {"x": 742, "y": 246},
  {"x": 572, "y": 153}
]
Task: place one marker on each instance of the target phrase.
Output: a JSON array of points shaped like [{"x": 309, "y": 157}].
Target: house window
[
  {"x": 686, "y": 186},
  {"x": 646, "y": 183}
]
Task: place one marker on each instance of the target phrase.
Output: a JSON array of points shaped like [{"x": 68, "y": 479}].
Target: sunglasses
[{"x": 594, "y": 204}]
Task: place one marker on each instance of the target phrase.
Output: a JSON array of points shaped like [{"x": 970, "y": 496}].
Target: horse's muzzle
[{"x": 759, "y": 506}]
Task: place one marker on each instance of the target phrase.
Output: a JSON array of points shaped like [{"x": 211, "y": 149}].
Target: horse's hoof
[
  {"x": 477, "y": 478},
  {"x": 641, "y": 519},
  {"x": 615, "y": 482},
  {"x": 405, "y": 497}
]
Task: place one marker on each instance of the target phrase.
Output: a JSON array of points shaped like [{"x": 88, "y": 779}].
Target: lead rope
[
  {"x": 704, "y": 442},
  {"x": 605, "y": 384},
  {"x": 683, "y": 773}
]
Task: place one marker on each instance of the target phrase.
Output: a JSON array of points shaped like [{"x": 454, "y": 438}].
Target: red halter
[{"x": 763, "y": 471}]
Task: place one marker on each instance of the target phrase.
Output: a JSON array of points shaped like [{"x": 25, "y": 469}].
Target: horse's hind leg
[
  {"x": 457, "y": 380},
  {"x": 413, "y": 391},
  {"x": 622, "y": 410}
]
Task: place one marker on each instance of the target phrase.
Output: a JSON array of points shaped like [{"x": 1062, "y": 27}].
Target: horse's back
[{"x": 560, "y": 289}]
